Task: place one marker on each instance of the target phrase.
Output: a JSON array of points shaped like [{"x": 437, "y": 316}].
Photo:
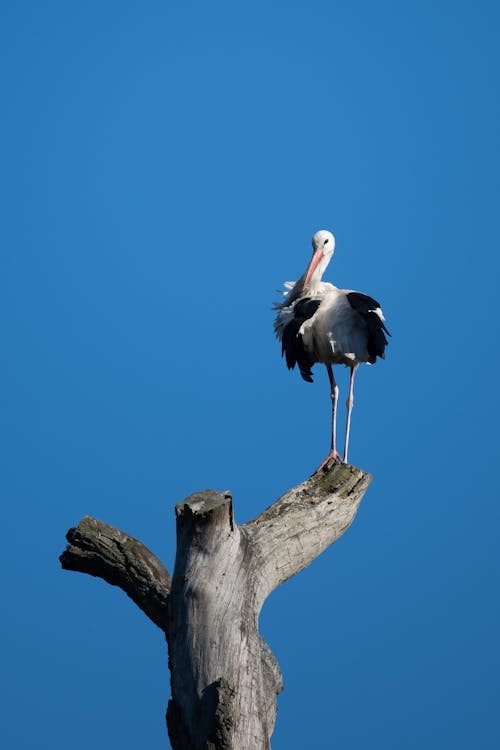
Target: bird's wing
[
  {"x": 370, "y": 312},
  {"x": 288, "y": 325},
  {"x": 291, "y": 293},
  {"x": 285, "y": 293}
]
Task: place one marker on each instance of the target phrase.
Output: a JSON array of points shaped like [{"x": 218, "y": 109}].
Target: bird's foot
[{"x": 332, "y": 456}]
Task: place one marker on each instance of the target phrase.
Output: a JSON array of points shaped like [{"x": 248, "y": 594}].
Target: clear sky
[{"x": 164, "y": 165}]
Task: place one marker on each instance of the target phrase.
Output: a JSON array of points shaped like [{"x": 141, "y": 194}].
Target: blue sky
[{"x": 164, "y": 167}]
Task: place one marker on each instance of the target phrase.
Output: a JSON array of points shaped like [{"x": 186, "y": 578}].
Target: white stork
[{"x": 317, "y": 322}]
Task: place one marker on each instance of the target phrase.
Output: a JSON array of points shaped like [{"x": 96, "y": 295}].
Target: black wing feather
[
  {"x": 365, "y": 306},
  {"x": 292, "y": 345}
]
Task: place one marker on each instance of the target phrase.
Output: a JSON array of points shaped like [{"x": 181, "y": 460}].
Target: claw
[{"x": 332, "y": 456}]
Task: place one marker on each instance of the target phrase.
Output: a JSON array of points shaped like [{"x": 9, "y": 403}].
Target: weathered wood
[
  {"x": 306, "y": 520},
  {"x": 224, "y": 677},
  {"x": 100, "y": 550}
]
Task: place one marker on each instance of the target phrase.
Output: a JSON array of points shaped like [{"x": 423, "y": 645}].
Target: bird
[{"x": 319, "y": 323}]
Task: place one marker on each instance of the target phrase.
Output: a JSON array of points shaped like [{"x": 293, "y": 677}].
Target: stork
[{"x": 317, "y": 322}]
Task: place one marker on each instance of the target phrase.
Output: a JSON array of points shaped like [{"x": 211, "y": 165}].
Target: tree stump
[{"x": 224, "y": 676}]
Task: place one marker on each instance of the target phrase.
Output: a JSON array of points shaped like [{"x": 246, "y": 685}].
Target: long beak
[{"x": 317, "y": 255}]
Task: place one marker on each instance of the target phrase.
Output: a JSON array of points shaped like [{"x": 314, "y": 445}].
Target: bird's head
[{"x": 323, "y": 243}]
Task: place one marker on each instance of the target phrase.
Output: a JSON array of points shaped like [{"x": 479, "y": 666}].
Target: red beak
[{"x": 317, "y": 255}]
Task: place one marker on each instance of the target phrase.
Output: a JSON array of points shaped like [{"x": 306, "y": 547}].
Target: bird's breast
[{"x": 335, "y": 334}]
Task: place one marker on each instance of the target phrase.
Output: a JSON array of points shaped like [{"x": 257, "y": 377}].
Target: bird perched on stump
[{"x": 317, "y": 322}]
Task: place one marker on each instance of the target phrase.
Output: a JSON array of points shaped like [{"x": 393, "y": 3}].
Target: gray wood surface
[{"x": 224, "y": 677}]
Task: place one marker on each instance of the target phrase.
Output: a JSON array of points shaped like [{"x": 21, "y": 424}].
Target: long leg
[
  {"x": 334, "y": 394},
  {"x": 349, "y": 404}
]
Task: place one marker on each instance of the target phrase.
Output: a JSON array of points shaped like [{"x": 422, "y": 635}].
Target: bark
[
  {"x": 224, "y": 677},
  {"x": 96, "y": 548}
]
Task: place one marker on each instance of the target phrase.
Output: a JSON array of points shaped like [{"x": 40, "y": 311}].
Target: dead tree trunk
[{"x": 224, "y": 677}]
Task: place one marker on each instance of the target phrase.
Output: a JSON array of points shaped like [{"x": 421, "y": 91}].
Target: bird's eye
[{"x": 326, "y": 240}]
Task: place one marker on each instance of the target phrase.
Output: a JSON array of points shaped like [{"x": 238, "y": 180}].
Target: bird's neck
[{"x": 315, "y": 280}]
